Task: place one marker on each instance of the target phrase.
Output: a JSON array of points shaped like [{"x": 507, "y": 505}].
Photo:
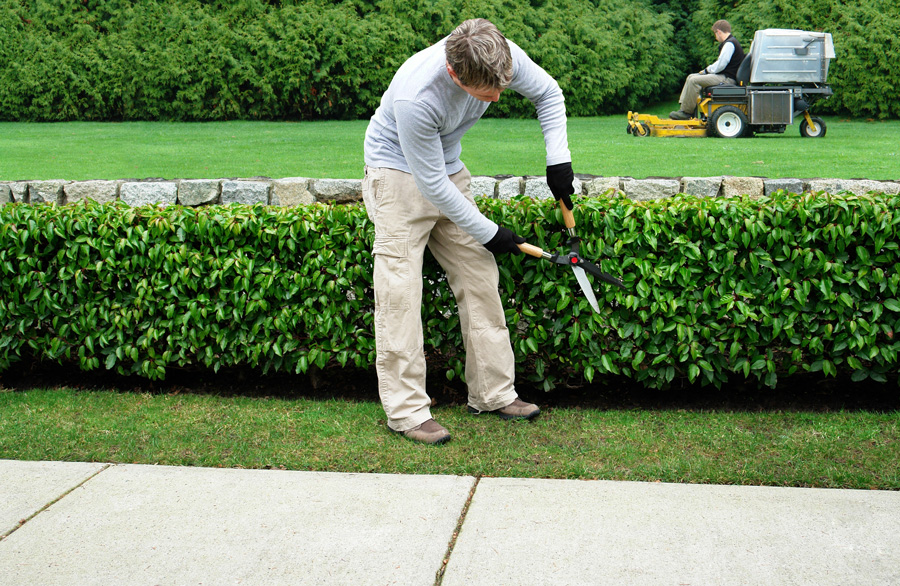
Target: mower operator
[
  {"x": 416, "y": 191},
  {"x": 724, "y": 70}
]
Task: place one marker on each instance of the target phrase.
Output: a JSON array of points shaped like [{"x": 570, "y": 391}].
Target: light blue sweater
[{"x": 423, "y": 116}]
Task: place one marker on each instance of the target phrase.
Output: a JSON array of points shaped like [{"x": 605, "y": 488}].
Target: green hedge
[
  {"x": 193, "y": 61},
  {"x": 607, "y": 56},
  {"x": 252, "y": 59},
  {"x": 318, "y": 59},
  {"x": 143, "y": 289},
  {"x": 717, "y": 287}
]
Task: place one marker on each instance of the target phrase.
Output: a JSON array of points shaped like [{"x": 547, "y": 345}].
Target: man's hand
[
  {"x": 505, "y": 240},
  {"x": 560, "y": 179}
]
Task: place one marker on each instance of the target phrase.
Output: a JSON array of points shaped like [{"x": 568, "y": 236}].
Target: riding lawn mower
[{"x": 782, "y": 76}]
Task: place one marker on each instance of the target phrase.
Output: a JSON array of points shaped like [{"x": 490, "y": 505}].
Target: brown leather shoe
[
  {"x": 430, "y": 432},
  {"x": 518, "y": 409},
  {"x": 679, "y": 115}
]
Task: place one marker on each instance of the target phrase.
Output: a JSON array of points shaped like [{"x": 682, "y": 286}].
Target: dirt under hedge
[{"x": 801, "y": 393}]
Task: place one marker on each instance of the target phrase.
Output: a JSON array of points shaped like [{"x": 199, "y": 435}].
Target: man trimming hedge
[{"x": 416, "y": 191}]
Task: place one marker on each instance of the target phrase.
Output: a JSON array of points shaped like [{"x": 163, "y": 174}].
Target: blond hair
[{"x": 479, "y": 55}]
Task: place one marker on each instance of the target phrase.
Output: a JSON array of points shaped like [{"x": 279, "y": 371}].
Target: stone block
[
  {"x": 577, "y": 186},
  {"x": 483, "y": 187},
  {"x": 891, "y": 187},
  {"x": 601, "y": 185},
  {"x": 855, "y": 186},
  {"x": 739, "y": 186},
  {"x": 19, "y": 190},
  {"x": 701, "y": 186},
  {"x": 5, "y": 194},
  {"x": 537, "y": 188},
  {"x": 337, "y": 190},
  {"x": 292, "y": 191},
  {"x": 245, "y": 192},
  {"x": 511, "y": 187},
  {"x": 198, "y": 192},
  {"x": 862, "y": 186},
  {"x": 789, "y": 185},
  {"x": 648, "y": 189},
  {"x": 142, "y": 193},
  {"x": 46, "y": 191},
  {"x": 827, "y": 185},
  {"x": 99, "y": 191}
]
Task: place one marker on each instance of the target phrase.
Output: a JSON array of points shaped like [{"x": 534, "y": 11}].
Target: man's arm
[
  {"x": 417, "y": 128},
  {"x": 531, "y": 81},
  {"x": 722, "y": 62}
]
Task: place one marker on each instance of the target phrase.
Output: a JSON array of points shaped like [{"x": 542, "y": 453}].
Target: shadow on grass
[{"x": 799, "y": 393}]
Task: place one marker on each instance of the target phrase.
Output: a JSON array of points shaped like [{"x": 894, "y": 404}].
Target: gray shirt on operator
[{"x": 423, "y": 116}]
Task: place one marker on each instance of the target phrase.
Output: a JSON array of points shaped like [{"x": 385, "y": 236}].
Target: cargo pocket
[
  {"x": 391, "y": 274},
  {"x": 370, "y": 187}
]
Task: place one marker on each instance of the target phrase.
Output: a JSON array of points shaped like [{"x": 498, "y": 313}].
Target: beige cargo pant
[
  {"x": 692, "y": 86},
  {"x": 405, "y": 222}
]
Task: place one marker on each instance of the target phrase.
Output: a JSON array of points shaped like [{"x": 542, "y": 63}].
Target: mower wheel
[
  {"x": 628, "y": 128},
  {"x": 641, "y": 129},
  {"x": 728, "y": 122},
  {"x": 809, "y": 132}
]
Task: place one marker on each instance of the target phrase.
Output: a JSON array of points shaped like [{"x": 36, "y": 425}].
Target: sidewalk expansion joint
[
  {"x": 22, "y": 523},
  {"x": 439, "y": 577}
]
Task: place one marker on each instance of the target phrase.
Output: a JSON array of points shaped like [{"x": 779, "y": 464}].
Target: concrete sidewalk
[{"x": 79, "y": 524}]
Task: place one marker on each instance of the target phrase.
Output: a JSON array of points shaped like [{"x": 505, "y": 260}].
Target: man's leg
[
  {"x": 691, "y": 90},
  {"x": 473, "y": 277},
  {"x": 403, "y": 220}
]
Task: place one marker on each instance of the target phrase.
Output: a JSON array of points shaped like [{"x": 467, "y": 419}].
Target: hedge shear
[{"x": 574, "y": 260}]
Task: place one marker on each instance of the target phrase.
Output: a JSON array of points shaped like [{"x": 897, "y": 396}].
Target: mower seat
[
  {"x": 743, "y": 72},
  {"x": 725, "y": 91}
]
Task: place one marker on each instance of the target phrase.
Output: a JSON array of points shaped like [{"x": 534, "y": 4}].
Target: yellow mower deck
[{"x": 649, "y": 125}]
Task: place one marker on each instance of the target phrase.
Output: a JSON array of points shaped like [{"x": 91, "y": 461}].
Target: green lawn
[
  {"x": 104, "y": 150},
  {"x": 852, "y": 449},
  {"x": 600, "y": 146}
]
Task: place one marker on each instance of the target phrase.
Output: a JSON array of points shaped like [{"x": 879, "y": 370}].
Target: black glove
[
  {"x": 505, "y": 240},
  {"x": 560, "y": 179}
]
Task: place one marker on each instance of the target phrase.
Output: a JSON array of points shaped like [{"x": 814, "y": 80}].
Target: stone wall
[{"x": 293, "y": 191}]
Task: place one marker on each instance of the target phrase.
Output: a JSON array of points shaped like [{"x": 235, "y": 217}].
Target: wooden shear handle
[
  {"x": 531, "y": 250},
  {"x": 568, "y": 217}
]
